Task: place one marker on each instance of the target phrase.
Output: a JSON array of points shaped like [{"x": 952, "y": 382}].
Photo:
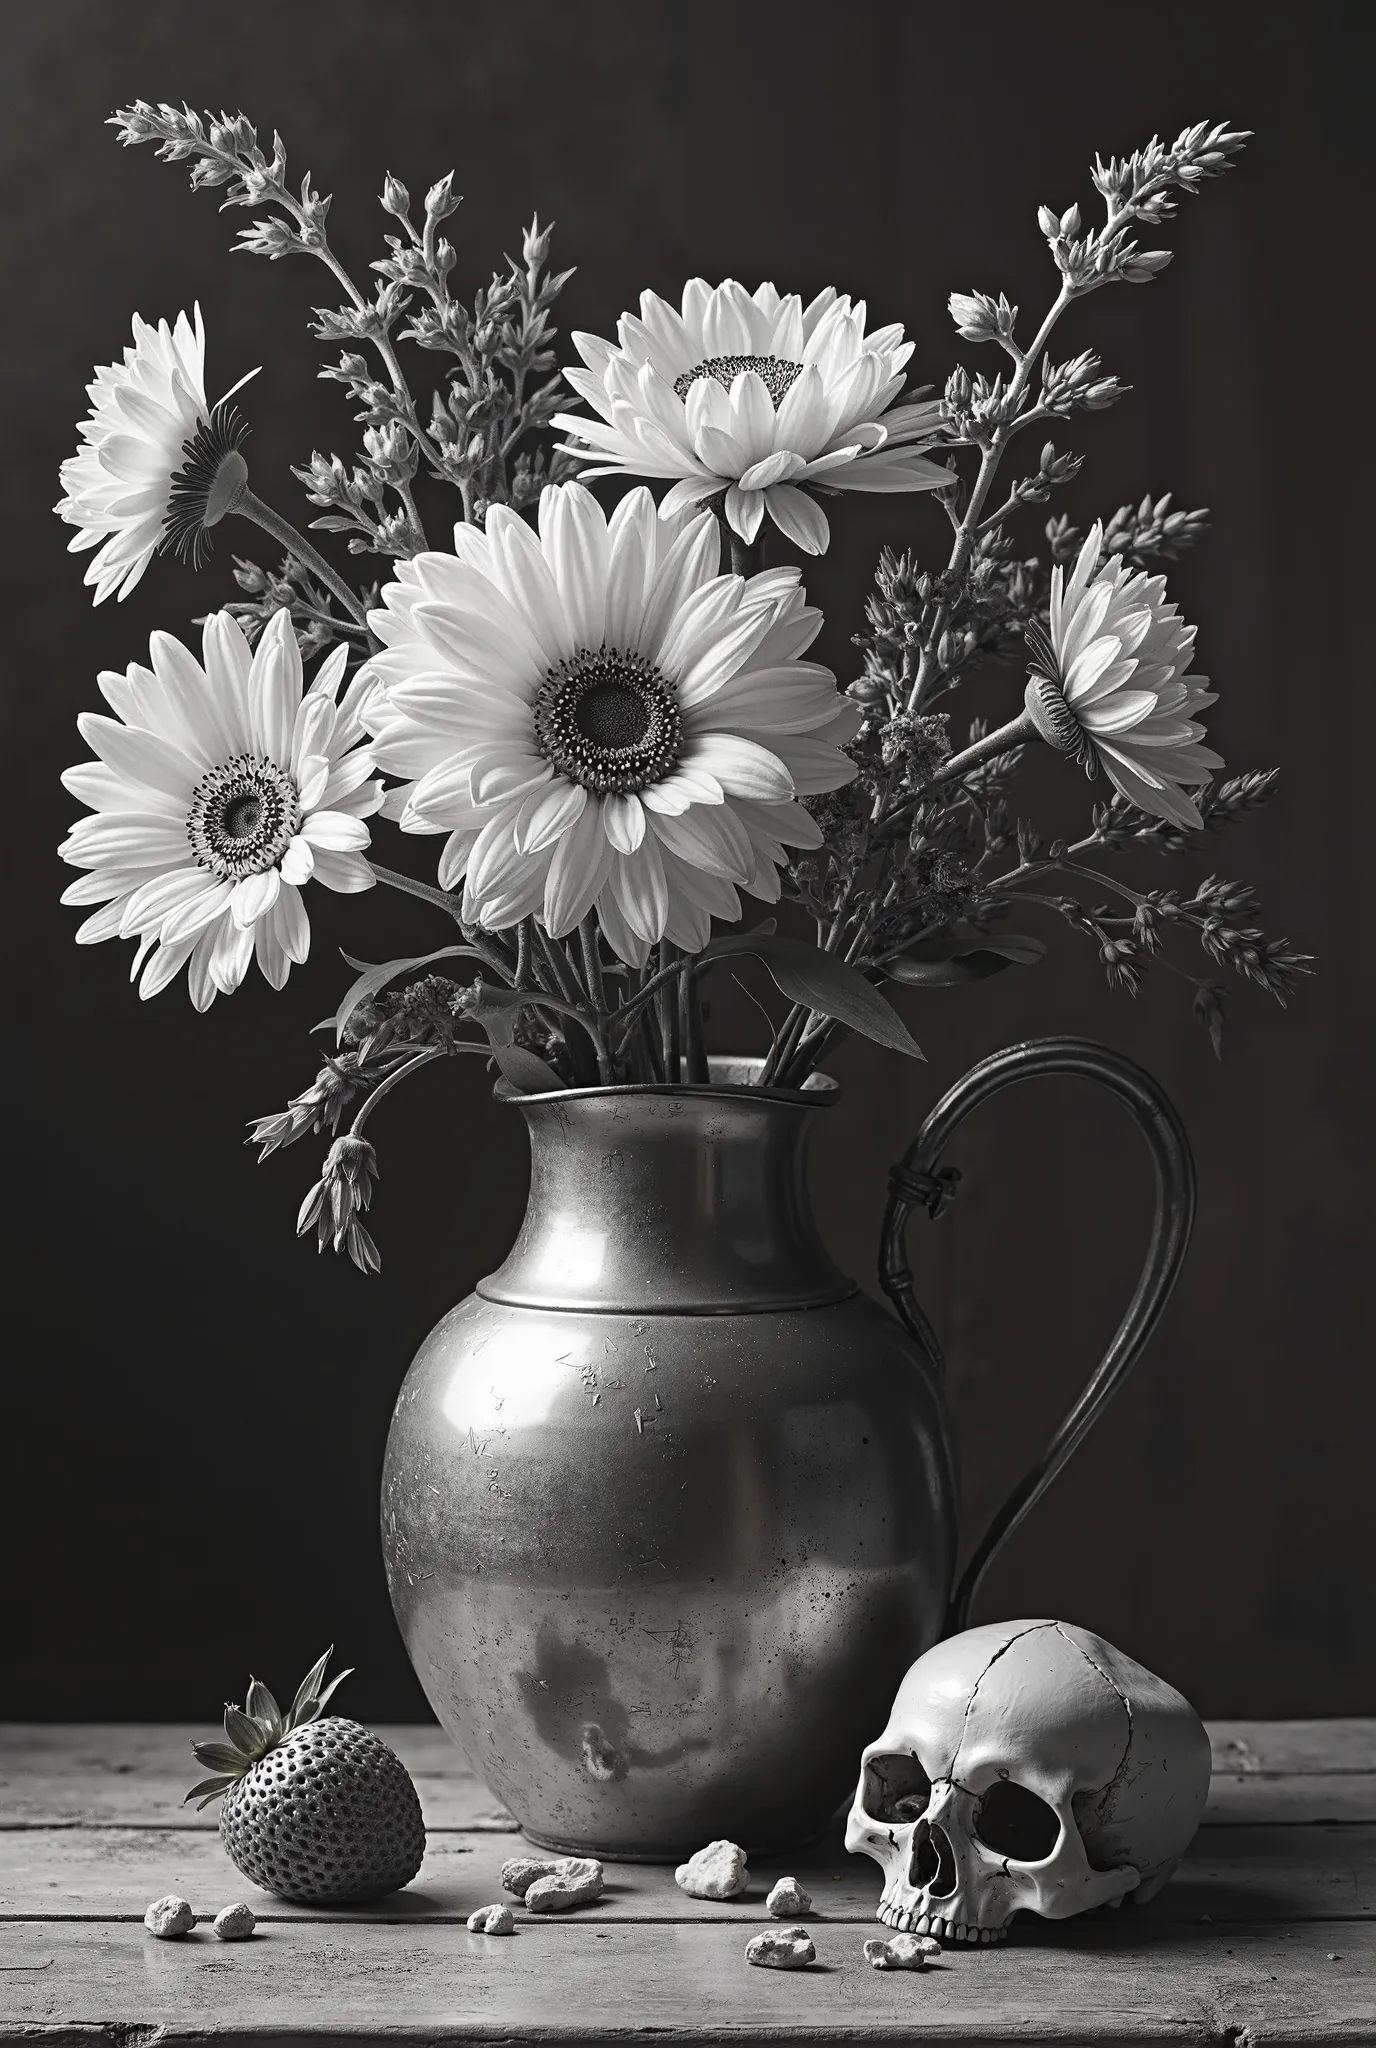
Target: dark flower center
[
  {"x": 243, "y": 817},
  {"x": 777, "y": 373},
  {"x": 608, "y": 721}
]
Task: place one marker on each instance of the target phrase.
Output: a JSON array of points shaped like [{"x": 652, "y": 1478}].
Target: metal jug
[{"x": 669, "y": 1506}]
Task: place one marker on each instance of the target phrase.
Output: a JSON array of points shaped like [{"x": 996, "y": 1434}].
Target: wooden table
[{"x": 1266, "y": 1933}]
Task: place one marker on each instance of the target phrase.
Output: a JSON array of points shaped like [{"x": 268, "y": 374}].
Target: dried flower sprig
[
  {"x": 927, "y": 630},
  {"x": 502, "y": 390}
]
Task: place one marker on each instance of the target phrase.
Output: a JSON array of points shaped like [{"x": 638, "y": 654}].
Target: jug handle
[{"x": 919, "y": 1181}]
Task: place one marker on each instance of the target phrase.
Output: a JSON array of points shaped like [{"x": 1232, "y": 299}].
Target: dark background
[{"x": 194, "y": 1404}]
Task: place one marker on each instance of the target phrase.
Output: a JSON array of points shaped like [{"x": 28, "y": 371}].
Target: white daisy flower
[
  {"x": 757, "y": 396},
  {"x": 1116, "y": 688},
  {"x": 153, "y": 456},
  {"x": 219, "y": 791},
  {"x": 601, "y": 721}
]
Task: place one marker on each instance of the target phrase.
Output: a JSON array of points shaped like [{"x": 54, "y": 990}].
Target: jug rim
[{"x": 819, "y": 1091}]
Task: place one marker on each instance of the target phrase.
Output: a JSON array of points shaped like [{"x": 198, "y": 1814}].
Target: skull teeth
[{"x": 905, "y": 1921}]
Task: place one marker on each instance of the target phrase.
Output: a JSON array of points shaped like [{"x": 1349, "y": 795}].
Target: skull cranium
[{"x": 1026, "y": 1764}]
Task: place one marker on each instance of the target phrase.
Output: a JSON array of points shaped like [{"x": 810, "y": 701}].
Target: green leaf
[
  {"x": 1019, "y": 948},
  {"x": 805, "y": 974},
  {"x": 246, "y": 1735},
  {"x": 526, "y": 1070},
  {"x": 315, "y": 1707},
  {"x": 260, "y": 1706},
  {"x": 373, "y": 980},
  {"x": 210, "y": 1788},
  {"x": 309, "y": 1688},
  {"x": 948, "y": 964},
  {"x": 218, "y": 1756}
]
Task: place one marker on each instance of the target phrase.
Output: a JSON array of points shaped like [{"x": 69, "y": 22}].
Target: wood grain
[
  {"x": 135, "y": 1775},
  {"x": 1328, "y": 1747},
  {"x": 1267, "y": 1933},
  {"x": 1252, "y": 1874},
  {"x": 1315, "y": 1796},
  {"x": 1080, "y": 1983}
]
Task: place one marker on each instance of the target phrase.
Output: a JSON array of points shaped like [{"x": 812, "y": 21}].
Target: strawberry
[{"x": 319, "y": 1811}]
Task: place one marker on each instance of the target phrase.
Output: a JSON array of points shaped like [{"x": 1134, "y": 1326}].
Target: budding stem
[{"x": 250, "y": 506}]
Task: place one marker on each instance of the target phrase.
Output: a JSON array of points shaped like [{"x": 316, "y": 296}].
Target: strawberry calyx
[{"x": 257, "y": 1728}]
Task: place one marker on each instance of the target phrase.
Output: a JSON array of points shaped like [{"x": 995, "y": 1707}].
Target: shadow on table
[{"x": 1182, "y": 1913}]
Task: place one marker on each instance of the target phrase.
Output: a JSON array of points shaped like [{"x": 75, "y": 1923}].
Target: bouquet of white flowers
[{"x": 609, "y": 718}]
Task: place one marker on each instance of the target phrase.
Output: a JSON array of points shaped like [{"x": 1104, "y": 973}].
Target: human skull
[{"x": 1027, "y": 1764}]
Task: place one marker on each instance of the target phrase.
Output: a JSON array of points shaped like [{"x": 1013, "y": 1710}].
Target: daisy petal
[
  {"x": 253, "y": 896},
  {"x": 623, "y": 820},
  {"x": 799, "y": 518},
  {"x": 741, "y": 766},
  {"x": 298, "y": 862},
  {"x": 580, "y": 864},
  {"x": 335, "y": 832}
]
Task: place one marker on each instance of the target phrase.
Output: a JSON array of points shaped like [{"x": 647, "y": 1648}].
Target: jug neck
[{"x": 670, "y": 1200}]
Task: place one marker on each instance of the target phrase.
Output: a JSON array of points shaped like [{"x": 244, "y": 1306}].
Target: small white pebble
[
  {"x": 788, "y": 1899},
  {"x": 573, "y": 1881},
  {"x": 900, "y": 1952},
  {"x": 520, "y": 1873},
  {"x": 492, "y": 1920},
  {"x": 716, "y": 1872},
  {"x": 168, "y": 1917},
  {"x": 236, "y": 1922},
  {"x": 790, "y": 1949}
]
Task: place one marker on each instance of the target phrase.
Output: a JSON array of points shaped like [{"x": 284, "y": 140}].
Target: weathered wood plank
[
  {"x": 1238, "y": 1874},
  {"x": 1286, "y": 1746},
  {"x": 137, "y": 1774},
  {"x": 1304, "y": 1798},
  {"x": 1081, "y": 1983}
]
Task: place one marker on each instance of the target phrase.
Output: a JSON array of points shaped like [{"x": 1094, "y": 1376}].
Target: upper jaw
[{"x": 913, "y": 1920}]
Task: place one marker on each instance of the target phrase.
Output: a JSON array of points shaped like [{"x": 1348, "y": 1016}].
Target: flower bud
[
  {"x": 1048, "y": 222},
  {"x": 440, "y": 200},
  {"x": 866, "y": 690},
  {"x": 1070, "y": 223},
  {"x": 353, "y": 1160},
  {"x": 395, "y": 197},
  {"x": 1142, "y": 267},
  {"x": 536, "y": 244},
  {"x": 975, "y": 316}
]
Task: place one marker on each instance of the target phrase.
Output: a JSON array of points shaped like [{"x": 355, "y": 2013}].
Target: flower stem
[
  {"x": 590, "y": 945},
  {"x": 250, "y": 506},
  {"x": 967, "y": 531},
  {"x": 743, "y": 552},
  {"x": 425, "y": 891},
  {"x": 484, "y": 946},
  {"x": 669, "y": 965},
  {"x": 1015, "y": 734},
  {"x": 384, "y": 1087},
  {"x": 690, "y": 1030},
  {"x": 561, "y": 973}
]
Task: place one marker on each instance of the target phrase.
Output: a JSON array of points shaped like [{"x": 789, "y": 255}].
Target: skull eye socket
[
  {"x": 895, "y": 1788},
  {"x": 1014, "y": 1822}
]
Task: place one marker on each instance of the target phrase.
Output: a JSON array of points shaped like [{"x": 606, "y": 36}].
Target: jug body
[{"x": 669, "y": 1506}]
